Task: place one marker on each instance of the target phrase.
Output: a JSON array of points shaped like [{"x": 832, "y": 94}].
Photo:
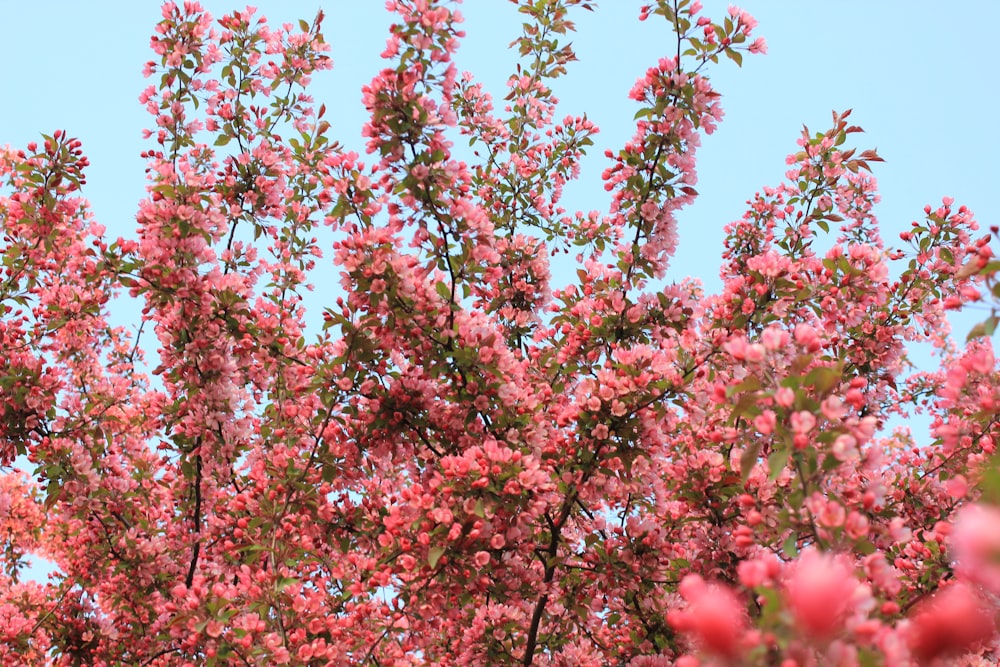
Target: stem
[
  {"x": 197, "y": 522},
  {"x": 550, "y": 571}
]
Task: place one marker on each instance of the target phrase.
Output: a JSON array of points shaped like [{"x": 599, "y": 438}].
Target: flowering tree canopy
[{"x": 478, "y": 460}]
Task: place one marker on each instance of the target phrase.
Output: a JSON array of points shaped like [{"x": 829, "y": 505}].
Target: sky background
[{"x": 921, "y": 77}]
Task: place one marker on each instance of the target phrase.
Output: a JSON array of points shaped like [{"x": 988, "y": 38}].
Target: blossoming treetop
[{"x": 474, "y": 463}]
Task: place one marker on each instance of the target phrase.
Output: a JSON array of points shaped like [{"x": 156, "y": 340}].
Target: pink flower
[
  {"x": 784, "y": 397},
  {"x": 774, "y": 338},
  {"x": 831, "y": 514},
  {"x": 957, "y": 487},
  {"x": 856, "y": 525},
  {"x": 714, "y": 616},
  {"x": 951, "y": 623},
  {"x": 754, "y": 573},
  {"x": 975, "y": 541},
  {"x": 845, "y": 447},
  {"x": 803, "y": 422},
  {"x": 736, "y": 347},
  {"x": 765, "y": 422},
  {"x": 214, "y": 629},
  {"x": 807, "y": 337},
  {"x": 759, "y": 45},
  {"x": 818, "y": 592}
]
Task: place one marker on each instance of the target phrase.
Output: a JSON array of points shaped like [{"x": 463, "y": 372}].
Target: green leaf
[
  {"x": 791, "y": 546},
  {"x": 771, "y": 604},
  {"x": 984, "y": 329},
  {"x": 864, "y": 547},
  {"x": 751, "y": 383},
  {"x": 444, "y": 290},
  {"x": 434, "y": 555},
  {"x": 823, "y": 378},
  {"x": 776, "y": 462},
  {"x": 52, "y": 493},
  {"x": 989, "y": 483},
  {"x": 868, "y": 658},
  {"x": 748, "y": 459},
  {"x": 223, "y": 140}
]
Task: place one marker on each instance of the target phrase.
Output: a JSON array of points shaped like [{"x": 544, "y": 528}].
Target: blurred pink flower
[
  {"x": 975, "y": 542},
  {"x": 952, "y": 622},
  {"x": 819, "y": 590},
  {"x": 714, "y": 617}
]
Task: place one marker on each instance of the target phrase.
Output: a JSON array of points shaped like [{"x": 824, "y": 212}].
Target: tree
[{"x": 469, "y": 464}]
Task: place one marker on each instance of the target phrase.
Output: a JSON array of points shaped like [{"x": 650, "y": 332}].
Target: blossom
[
  {"x": 714, "y": 617},
  {"x": 818, "y": 591},
  {"x": 952, "y": 622},
  {"x": 759, "y": 45},
  {"x": 975, "y": 541}
]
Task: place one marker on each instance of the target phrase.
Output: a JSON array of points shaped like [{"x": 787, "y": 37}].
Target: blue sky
[{"x": 920, "y": 76}]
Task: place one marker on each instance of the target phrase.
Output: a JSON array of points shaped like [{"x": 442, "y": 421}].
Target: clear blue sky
[{"x": 921, "y": 77}]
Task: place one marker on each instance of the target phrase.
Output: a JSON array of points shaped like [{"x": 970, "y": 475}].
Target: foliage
[{"x": 472, "y": 463}]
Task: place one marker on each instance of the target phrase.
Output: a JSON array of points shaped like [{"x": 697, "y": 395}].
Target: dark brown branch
[{"x": 197, "y": 522}]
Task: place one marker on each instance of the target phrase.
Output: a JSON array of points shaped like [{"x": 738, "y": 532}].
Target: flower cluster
[{"x": 477, "y": 460}]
